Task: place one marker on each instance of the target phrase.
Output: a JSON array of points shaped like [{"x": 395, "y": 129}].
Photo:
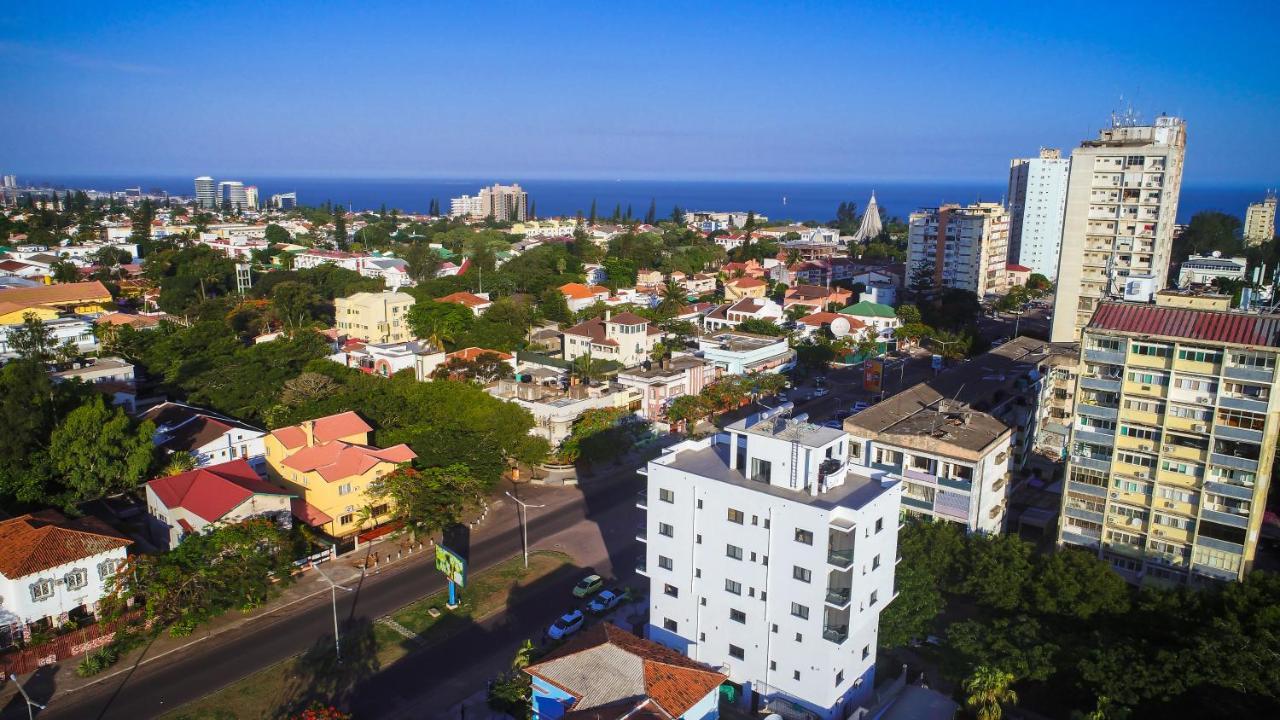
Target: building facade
[
  {"x": 769, "y": 559},
  {"x": 375, "y": 317},
  {"x": 206, "y": 193},
  {"x": 1037, "y": 200},
  {"x": 197, "y": 500},
  {"x": 625, "y": 338},
  {"x": 1173, "y": 440},
  {"x": 1122, "y": 203},
  {"x": 1260, "y": 221},
  {"x": 961, "y": 247}
]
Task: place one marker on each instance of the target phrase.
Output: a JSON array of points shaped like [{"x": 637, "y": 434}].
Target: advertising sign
[
  {"x": 937, "y": 362},
  {"x": 872, "y": 374},
  {"x": 453, "y": 566}
]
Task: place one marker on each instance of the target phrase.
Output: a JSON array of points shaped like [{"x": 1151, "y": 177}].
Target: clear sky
[{"x": 601, "y": 90}]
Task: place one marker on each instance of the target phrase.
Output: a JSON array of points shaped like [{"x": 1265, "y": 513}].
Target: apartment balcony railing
[
  {"x": 840, "y": 558},
  {"x": 839, "y": 597},
  {"x": 642, "y": 533},
  {"x": 642, "y": 500},
  {"x": 836, "y": 633}
]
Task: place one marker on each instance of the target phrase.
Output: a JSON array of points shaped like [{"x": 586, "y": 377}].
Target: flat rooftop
[
  {"x": 807, "y": 434},
  {"x": 712, "y": 462},
  {"x": 742, "y": 342}
]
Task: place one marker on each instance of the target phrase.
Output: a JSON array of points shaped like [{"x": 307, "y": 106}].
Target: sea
[{"x": 777, "y": 199}]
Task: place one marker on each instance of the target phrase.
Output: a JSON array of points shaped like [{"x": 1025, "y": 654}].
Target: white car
[
  {"x": 568, "y": 624},
  {"x": 607, "y": 600},
  {"x": 819, "y": 392}
]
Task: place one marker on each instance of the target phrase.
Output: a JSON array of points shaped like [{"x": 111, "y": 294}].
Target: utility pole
[
  {"x": 333, "y": 595},
  {"x": 524, "y": 524},
  {"x": 25, "y": 696}
]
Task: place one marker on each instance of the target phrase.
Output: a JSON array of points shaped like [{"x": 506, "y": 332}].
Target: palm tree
[
  {"x": 178, "y": 463},
  {"x": 524, "y": 656},
  {"x": 987, "y": 690},
  {"x": 672, "y": 297},
  {"x": 587, "y": 367},
  {"x": 364, "y": 516}
]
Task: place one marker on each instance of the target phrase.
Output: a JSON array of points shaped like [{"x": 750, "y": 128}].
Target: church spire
[{"x": 870, "y": 227}]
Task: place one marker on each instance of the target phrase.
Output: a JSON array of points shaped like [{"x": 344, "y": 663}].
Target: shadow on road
[
  {"x": 40, "y": 687},
  {"x": 317, "y": 676}
]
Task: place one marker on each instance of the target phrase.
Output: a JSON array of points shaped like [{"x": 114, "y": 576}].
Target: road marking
[{"x": 400, "y": 629}]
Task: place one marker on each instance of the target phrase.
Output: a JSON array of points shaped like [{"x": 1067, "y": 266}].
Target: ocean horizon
[{"x": 797, "y": 200}]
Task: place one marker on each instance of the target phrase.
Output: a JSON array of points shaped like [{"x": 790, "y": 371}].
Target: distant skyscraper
[
  {"x": 966, "y": 247},
  {"x": 1259, "y": 221},
  {"x": 870, "y": 228},
  {"x": 206, "y": 192},
  {"x": 1117, "y": 231},
  {"x": 284, "y": 201},
  {"x": 1037, "y": 200},
  {"x": 251, "y": 197},
  {"x": 232, "y": 193},
  {"x": 500, "y": 202},
  {"x": 465, "y": 206},
  {"x": 11, "y": 181}
]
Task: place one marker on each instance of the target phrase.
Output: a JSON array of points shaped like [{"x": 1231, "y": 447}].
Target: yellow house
[
  {"x": 47, "y": 302},
  {"x": 329, "y": 464},
  {"x": 744, "y": 287},
  {"x": 375, "y": 317}
]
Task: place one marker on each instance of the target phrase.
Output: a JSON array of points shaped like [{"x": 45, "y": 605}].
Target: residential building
[
  {"x": 662, "y": 382},
  {"x": 1204, "y": 269},
  {"x": 375, "y": 317},
  {"x": 960, "y": 247},
  {"x": 744, "y": 287},
  {"x": 197, "y": 500},
  {"x": 94, "y": 371},
  {"x": 383, "y": 359},
  {"x": 625, "y": 338},
  {"x": 393, "y": 271},
  {"x": 53, "y": 570},
  {"x": 880, "y": 294},
  {"x": 1037, "y": 201},
  {"x": 284, "y": 201},
  {"x": 250, "y": 197},
  {"x": 727, "y": 317},
  {"x": 882, "y": 319},
  {"x": 231, "y": 194},
  {"x": 738, "y": 353},
  {"x": 696, "y": 285},
  {"x": 1017, "y": 275},
  {"x": 607, "y": 673},
  {"x": 815, "y": 296},
  {"x": 477, "y": 304},
  {"x": 75, "y": 330},
  {"x": 838, "y": 325},
  {"x": 313, "y": 257},
  {"x": 769, "y": 558},
  {"x": 236, "y": 248},
  {"x": 1122, "y": 202},
  {"x": 1174, "y": 439},
  {"x": 579, "y": 297},
  {"x": 209, "y": 438},
  {"x": 1195, "y": 298},
  {"x": 49, "y": 301},
  {"x": 427, "y": 362},
  {"x": 1260, "y": 221},
  {"x": 329, "y": 464},
  {"x": 206, "y": 193},
  {"x": 556, "y": 408},
  {"x": 501, "y": 202}
]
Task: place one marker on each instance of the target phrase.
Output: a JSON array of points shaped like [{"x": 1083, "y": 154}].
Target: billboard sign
[
  {"x": 937, "y": 362},
  {"x": 451, "y": 565},
  {"x": 872, "y": 375}
]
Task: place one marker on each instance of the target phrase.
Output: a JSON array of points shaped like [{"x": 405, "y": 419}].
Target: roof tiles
[{"x": 1203, "y": 325}]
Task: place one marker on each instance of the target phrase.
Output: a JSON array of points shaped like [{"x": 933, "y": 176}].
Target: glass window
[
  {"x": 733, "y": 551},
  {"x": 666, "y": 495},
  {"x": 804, "y": 536},
  {"x": 737, "y": 616},
  {"x": 801, "y": 574},
  {"x": 664, "y": 562},
  {"x": 737, "y": 652},
  {"x": 800, "y": 611},
  {"x": 735, "y": 516},
  {"x": 671, "y": 590}
]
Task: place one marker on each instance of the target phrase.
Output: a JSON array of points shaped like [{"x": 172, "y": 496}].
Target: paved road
[{"x": 160, "y": 686}]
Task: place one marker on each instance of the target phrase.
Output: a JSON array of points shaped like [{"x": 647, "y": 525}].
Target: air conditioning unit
[
  {"x": 1145, "y": 447},
  {"x": 1200, "y": 427},
  {"x": 1134, "y": 522},
  {"x": 1166, "y": 448},
  {"x": 1168, "y": 504},
  {"x": 1158, "y": 533},
  {"x": 1146, "y": 387},
  {"x": 1141, "y": 473},
  {"x": 1203, "y": 400},
  {"x": 1115, "y": 495}
]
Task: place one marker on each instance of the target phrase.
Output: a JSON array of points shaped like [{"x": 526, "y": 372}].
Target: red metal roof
[
  {"x": 1205, "y": 325},
  {"x": 212, "y": 492}
]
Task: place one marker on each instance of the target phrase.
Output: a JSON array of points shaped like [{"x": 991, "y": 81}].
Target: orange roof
[
  {"x": 324, "y": 429},
  {"x": 337, "y": 460},
  {"x": 308, "y": 513},
  {"x": 578, "y": 291},
  {"x": 825, "y": 318},
  {"x": 137, "y": 321},
  {"x": 472, "y": 353},
  {"x": 60, "y": 294},
  {"x": 464, "y": 298},
  {"x": 44, "y": 540},
  {"x": 745, "y": 282}
]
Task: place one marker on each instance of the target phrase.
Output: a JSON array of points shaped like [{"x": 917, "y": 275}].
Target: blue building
[{"x": 606, "y": 673}]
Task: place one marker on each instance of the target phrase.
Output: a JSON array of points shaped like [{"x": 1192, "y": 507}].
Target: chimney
[
  {"x": 309, "y": 429},
  {"x": 608, "y": 314}
]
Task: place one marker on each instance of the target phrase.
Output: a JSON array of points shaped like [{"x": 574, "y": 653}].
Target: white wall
[{"x": 16, "y": 593}]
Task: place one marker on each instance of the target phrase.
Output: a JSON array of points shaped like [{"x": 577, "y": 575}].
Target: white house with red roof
[
  {"x": 208, "y": 437},
  {"x": 625, "y": 338},
  {"x": 727, "y": 317},
  {"x": 477, "y": 304},
  {"x": 313, "y": 257},
  {"x": 52, "y": 569},
  {"x": 189, "y": 502},
  {"x": 580, "y": 297}
]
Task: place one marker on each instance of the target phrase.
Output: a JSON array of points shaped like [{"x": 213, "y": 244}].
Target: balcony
[
  {"x": 1078, "y": 536},
  {"x": 1237, "y": 433},
  {"x": 641, "y": 567},
  {"x": 836, "y": 633},
  {"x": 1094, "y": 438},
  {"x": 1100, "y": 464},
  {"x": 1231, "y": 461},
  {"x": 840, "y": 557},
  {"x": 1086, "y": 488},
  {"x": 1238, "y": 372},
  {"x": 1101, "y": 412},
  {"x": 919, "y": 475},
  {"x": 1111, "y": 357},
  {"x": 642, "y": 534},
  {"x": 1242, "y": 403},
  {"x": 642, "y": 500},
  {"x": 839, "y": 596},
  {"x": 918, "y": 503}
]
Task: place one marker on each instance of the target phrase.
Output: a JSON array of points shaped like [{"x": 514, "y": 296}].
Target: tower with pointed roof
[{"x": 871, "y": 226}]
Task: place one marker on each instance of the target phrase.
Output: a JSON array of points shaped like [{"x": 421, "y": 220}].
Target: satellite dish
[
  {"x": 773, "y": 716},
  {"x": 840, "y": 327}
]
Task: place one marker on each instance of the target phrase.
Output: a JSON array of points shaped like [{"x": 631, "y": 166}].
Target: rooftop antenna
[{"x": 942, "y": 410}]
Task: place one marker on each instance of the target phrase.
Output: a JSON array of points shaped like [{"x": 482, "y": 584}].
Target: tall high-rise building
[
  {"x": 1117, "y": 230},
  {"x": 1260, "y": 221},
  {"x": 1173, "y": 440},
  {"x": 465, "y": 206},
  {"x": 769, "y": 558},
  {"x": 11, "y": 181},
  {"x": 206, "y": 193},
  {"x": 504, "y": 202},
  {"x": 231, "y": 192},
  {"x": 1037, "y": 200},
  {"x": 251, "y": 197},
  {"x": 284, "y": 201},
  {"x": 963, "y": 247}
]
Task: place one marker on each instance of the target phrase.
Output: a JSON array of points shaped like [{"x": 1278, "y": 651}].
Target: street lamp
[
  {"x": 25, "y": 696},
  {"x": 524, "y": 524},
  {"x": 333, "y": 595}
]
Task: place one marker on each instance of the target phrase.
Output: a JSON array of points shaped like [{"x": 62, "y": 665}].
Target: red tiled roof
[
  {"x": 464, "y": 298},
  {"x": 1203, "y": 325},
  {"x": 1017, "y": 268},
  {"x": 212, "y": 492},
  {"x": 746, "y": 282},
  {"x": 472, "y": 353},
  {"x": 39, "y": 541},
  {"x": 825, "y": 318},
  {"x": 60, "y": 294},
  {"x": 308, "y": 513},
  {"x": 627, "y": 318},
  {"x": 578, "y": 291},
  {"x": 337, "y": 460},
  {"x": 325, "y": 429}
]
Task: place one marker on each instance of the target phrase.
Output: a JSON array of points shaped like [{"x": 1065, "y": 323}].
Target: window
[
  {"x": 670, "y": 625},
  {"x": 665, "y": 530},
  {"x": 773, "y": 664},
  {"x": 702, "y": 601},
  {"x": 755, "y": 519},
  {"x": 697, "y": 572},
  {"x": 1148, "y": 378},
  {"x": 1254, "y": 360},
  {"x": 875, "y": 563},
  {"x": 795, "y": 675},
  {"x": 804, "y": 536},
  {"x": 76, "y": 579},
  {"x": 799, "y": 637},
  {"x": 840, "y": 678},
  {"x": 41, "y": 589},
  {"x": 735, "y": 516},
  {"x": 107, "y": 568},
  {"x": 879, "y": 524},
  {"x": 875, "y": 596},
  {"x": 699, "y": 503},
  {"x": 801, "y": 574},
  {"x": 800, "y": 611},
  {"x": 697, "y": 540},
  {"x": 1140, "y": 433},
  {"x": 666, "y": 496},
  {"x": 866, "y": 651},
  {"x": 1204, "y": 356},
  {"x": 1152, "y": 350},
  {"x": 733, "y": 586},
  {"x": 671, "y": 590},
  {"x": 1241, "y": 419},
  {"x": 346, "y": 519},
  {"x": 344, "y": 489},
  {"x": 737, "y": 652},
  {"x": 1196, "y": 385},
  {"x": 761, "y": 470},
  {"x": 664, "y": 562},
  {"x": 737, "y": 616},
  {"x": 733, "y": 551}
]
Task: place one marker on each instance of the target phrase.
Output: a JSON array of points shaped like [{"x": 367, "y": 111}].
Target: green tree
[
  {"x": 1017, "y": 645},
  {"x": 651, "y": 216},
  {"x": 998, "y": 570},
  {"x": 443, "y": 323},
  {"x": 553, "y": 306},
  {"x": 340, "y": 227},
  {"x": 295, "y": 303},
  {"x": 1076, "y": 584},
  {"x": 98, "y": 451},
  {"x": 761, "y": 327},
  {"x": 32, "y": 340},
  {"x": 430, "y": 499},
  {"x": 178, "y": 463},
  {"x": 909, "y": 314},
  {"x": 277, "y": 235},
  {"x": 672, "y": 298},
  {"x": 987, "y": 691},
  {"x": 64, "y": 271}
]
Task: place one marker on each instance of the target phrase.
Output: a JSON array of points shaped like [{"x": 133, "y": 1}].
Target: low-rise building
[
  {"x": 579, "y": 297},
  {"x": 744, "y": 287},
  {"x": 739, "y": 353},
  {"x": 209, "y": 438},
  {"x": 477, "y": 304},
  {"x": 555, "y": 409},
  {"x": 816, "y": 297},
  {"x": 662, "y": 382},
  {"x": 625, "y": 338},
  {"x": 383, "y": 359},
  {"x": 1204, "y": 269},
  {"x": 428, "y": 362},
  {"x": 375, "y": 317},
  {"x": 53, "y": 570},
  {"x": 97, "y": 370},
  {"x": 881, "y": 318},
  {"x": 196, "y": 500},
  {"x": 89, "y": 299},
  {"x": 70, "y": 329},
  {"x": 727, "y": 317}
]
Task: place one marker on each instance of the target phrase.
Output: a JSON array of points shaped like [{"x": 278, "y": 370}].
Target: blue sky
[{"x": 601, "y": 90}]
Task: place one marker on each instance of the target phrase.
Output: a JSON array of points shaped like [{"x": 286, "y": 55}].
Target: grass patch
[{"x": 292, "y": 684}]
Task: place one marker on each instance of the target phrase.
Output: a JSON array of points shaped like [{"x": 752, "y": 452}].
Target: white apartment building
[
  {"x": 501, "y": 202},
  {"x": 1037, "y": 200},
  {"x": 1122, "y": 203},
  {"x": 769, "y": 559},
  {"x": 967, "y": 247},
  {"x": 625, "y": 338},
  {"x": 1260, "y": 221},
  {"x": 232, "y": 193},
  {"x": 251, "y": 197},
  {"x": 1204, "y": 269},
  {"x": 206, "y": 192},
  {"x": 284, "y": 201},
  {"x": 465, "y": 206}
]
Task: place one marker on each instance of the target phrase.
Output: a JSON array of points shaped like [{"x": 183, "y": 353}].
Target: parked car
[
  {"x": 819, "y": 392},
  {"x": 568, "y": 624},
  {"x": 608, "y": 600},
  {"x": 588, "y": 586}
]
